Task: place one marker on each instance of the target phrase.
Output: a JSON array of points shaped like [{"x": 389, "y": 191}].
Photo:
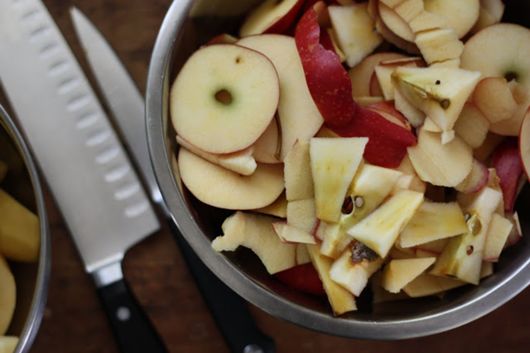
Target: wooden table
[{"x": 73, "y": 321}]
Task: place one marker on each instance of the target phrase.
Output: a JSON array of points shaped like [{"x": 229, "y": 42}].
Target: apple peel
[{"x": 330, "y": 87}]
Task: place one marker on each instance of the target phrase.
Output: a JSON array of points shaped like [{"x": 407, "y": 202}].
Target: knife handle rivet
[
  {"x": 123, "y": 313},
  {"x": 253, "y": 348}
]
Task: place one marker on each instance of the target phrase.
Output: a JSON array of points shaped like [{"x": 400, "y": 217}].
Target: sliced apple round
[
  {"x": 298, "y": 114},
  {"x": 501, "y": 50},
  {"x": 491, "y": 12},
  {"x": 395, "y": 23},
  {"x": 272, "y": 16},
  {"x": 494, "y": 98},
  {"x": 459, "y": 15},
  {"x": 267, "y": 148},
  {"x": 524, "y": 144},
  {"x": 222, "y": 188},
  {"x": 443, "y": 165},
  {"x": 224, "y": 98}
]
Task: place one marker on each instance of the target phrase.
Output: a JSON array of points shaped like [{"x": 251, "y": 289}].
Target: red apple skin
[
  {"x": 388, "y": 108},
  {"x": 283, "y": 24},
  {"x": 507, "y": 162},
  {"x": 303, "y": 278},
  {"x": 330, "y": 87},
  {"x": 222, "y": 39}
]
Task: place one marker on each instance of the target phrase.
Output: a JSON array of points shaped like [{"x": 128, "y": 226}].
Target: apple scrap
[{"x": 350, "y": 167}]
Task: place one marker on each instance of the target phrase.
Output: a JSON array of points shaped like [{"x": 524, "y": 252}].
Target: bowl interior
[
  {"x": 21, "y": 182},
  {"x": 209, "y": 18}
]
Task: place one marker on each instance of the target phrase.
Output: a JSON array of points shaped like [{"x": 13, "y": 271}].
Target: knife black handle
[
  {"x": 228, "y": 309},
  {"x": 132, "y": 329}
]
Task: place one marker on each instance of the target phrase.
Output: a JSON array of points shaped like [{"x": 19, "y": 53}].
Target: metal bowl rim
[
  {"x": 40, "y": 293},
  {"x": 432, "y": 323}
]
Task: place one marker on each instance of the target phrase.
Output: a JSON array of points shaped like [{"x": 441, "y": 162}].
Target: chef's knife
[
  {"x": 127, "y": 106},
  {"x": 90, "y": 176}
]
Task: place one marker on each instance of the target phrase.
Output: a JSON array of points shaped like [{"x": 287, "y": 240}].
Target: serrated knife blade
[{"x": 80, "y": 155}]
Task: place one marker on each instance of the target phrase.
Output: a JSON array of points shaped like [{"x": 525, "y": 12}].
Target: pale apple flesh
[
  {"x": 362, "y": 73},
  {"x": 272, "y": 16},
  {"x": 267, "y": 148},
  {"x": 297, "y": 172},
  {"x": 351, "y": 275},
  {"x": 334, "y": 162},
  {"x": 398, "y": 273},
  {"x": 499, "y": 230},
  {"x": 459, "y": 15},
  {"x": 239, "y": 83},
  {"x": 219, "y": 187},
  {"x": 256, "y": 233},
  {"x": 8, "y": 344},
  {"x": 298, "y": 114}
]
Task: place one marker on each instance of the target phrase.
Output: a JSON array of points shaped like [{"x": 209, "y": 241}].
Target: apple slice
[
  {"x": 7, "y": 295},
  {"x": 267, "y": 148},
  {"x": 391, "y": 37},
  {"x": 303, "y": 278},
  {"x": 434, "y": 248},
  {"x": 256, "y": 233},
  {"x": 370, "y": 188},
  {"x": 476, "y": 180},
  {"x": 395, "y": 22},
  {"x": 491, "y": 12},
  {"x": 384, "y": 70},
  {"x": 8, "y": 344},
  {"x": 386, "y": 110},
  {"x": 499, "y": 230},
  {"x": 415, "y": 116},
  {"x": 241, "y": 162},
  {"x": 494, "y": 98},
  {"x": 426, "y": 284},
  {"x": 219, "y": 187},
  {"x": 340, "y": 299},
  {"x": 439, "y": 92},
  {"x": 512, "y": 126},
  {"x": 277, "y": 209},
  {"x": 524, "y": 144},
  {"x": 381, "y": 228},
  {"x": 409, "y": 9},
  {"x": 330, "y": 87},
  {"x": 299, "y": 117},
  {"x": 334, "y": 162},
  {"x": 459, "y": 15},
  {"x": 353, "y": 275},
  {"x": 293, "y": 235},
  {"x": 297, "y": 171},
  {"x": 272, "y": 16},
  {"x": 302, "y": 255},
  {"x": 211, "y": 108},
  {"x": 398, "y": 273},
  {"x": 362, "y": 73},
  {"x": 355, "y": 31},
  {"x": 431, "y": 126},
  {"x": 302, "y": 215},
  {"x": 507, "y": 162},
  {"x": 439, "y": 45},
  {"x": 443, "y": 165},
  {"x": 462, "y": 257},
  {"x": 472, "y": 126},
  {"x": 426, "y": 21},
  {"x": 433, "y": 221},
  {"x": 506, "y": 47},
  {"x": 19, "y": 231}
]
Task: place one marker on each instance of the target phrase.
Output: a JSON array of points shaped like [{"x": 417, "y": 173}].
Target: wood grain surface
[{"x": 73, "y": 321}]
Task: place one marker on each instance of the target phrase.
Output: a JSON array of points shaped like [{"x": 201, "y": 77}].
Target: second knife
[{"x": 126, "y": 103}]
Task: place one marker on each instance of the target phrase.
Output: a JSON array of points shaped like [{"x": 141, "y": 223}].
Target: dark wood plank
[{"x": 73, "y": 320}]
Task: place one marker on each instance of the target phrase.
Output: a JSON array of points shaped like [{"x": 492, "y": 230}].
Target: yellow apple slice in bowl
[
  {"x": 7, "y": 295},
  {"x": 224, "y": 98}
]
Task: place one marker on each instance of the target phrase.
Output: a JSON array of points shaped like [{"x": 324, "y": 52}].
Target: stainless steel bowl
[
  {"x": 32, "y": 279},
  {"x": 189, "y": 24}
]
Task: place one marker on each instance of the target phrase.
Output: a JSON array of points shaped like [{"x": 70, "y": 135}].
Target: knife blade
[
  {"x": 83, "y": 162},
  {"x": 127, "y": 106}
]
